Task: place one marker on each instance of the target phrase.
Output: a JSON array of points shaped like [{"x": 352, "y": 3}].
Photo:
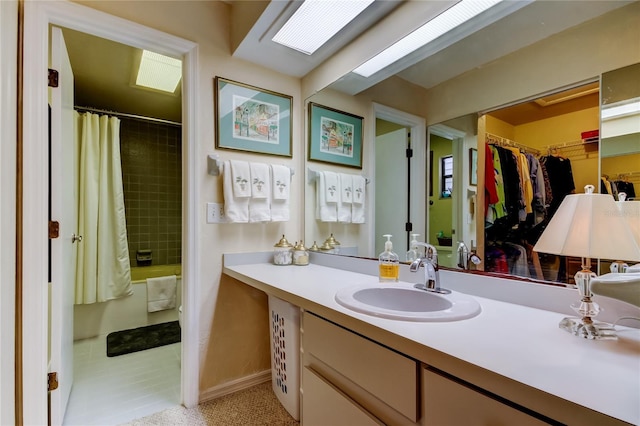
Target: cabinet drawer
[
  {"x": 324, "y": 404},
  {"x": 447, "y": 402},
  {"x": 387, "y": 375}
]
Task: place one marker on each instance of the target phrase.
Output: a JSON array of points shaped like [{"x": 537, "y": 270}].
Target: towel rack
[
  {"x": 215, "y": 165},
  {"x": 312, "y": 175}
]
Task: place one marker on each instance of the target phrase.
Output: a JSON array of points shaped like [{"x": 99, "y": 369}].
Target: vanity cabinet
[{"x": 348, "y": 379}]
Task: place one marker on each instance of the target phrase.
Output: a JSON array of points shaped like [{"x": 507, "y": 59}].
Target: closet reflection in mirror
[{"x": 538, "y": 152}]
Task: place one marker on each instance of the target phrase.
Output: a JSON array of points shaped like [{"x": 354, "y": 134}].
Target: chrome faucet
[
  {"x": 465, "y": 256},
  {"x": 431, "y": 274}
]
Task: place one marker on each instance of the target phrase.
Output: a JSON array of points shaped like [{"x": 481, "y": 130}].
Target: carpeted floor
[{"x": 257, "y": 405}]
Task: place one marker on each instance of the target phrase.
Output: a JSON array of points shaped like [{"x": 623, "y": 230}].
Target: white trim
[
  {"x": 235, "y": 385},
  {"x": 457, "y": 150},
  {"x": 38, "y": 15},
  {"x": 446, "y": 132},
  {"x": 8, "y": 86},
  {"x": 418, "y": 172}
]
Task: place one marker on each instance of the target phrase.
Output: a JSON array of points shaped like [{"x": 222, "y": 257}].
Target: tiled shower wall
[{"x": 151, "y": 171}]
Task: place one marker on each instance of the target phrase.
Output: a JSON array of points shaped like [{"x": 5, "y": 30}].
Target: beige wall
[{"x": 228, "y": 349}]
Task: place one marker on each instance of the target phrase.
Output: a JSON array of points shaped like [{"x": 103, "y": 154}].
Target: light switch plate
[{"x": 215, "y": 213}]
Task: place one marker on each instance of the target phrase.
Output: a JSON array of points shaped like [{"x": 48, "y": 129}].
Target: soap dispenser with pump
[
  {"x": 389, "y": 263},
  {"x": 413, "y": 252}
]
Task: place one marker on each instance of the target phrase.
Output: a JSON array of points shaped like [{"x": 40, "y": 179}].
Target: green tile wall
[{"x": 151, "y": 171}]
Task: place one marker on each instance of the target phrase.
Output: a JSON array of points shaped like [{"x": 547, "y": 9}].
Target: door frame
[
  {"x": 8, "y": 152},
  {"x": 418, "y": 173},
  {"x": 37, "y": 17},
  {"x": 457, "y": 144}
]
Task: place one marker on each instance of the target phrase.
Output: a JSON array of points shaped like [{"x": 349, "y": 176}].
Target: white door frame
[
  {"x": 418, "y": 173},
  {"x": 8, "y": 96},
  {"x": 37, "y": 17},
  {"x": 457, "y": 143}
]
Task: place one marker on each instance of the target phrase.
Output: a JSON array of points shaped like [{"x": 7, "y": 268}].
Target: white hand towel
[
  {"x": 359, "y": 194},
  {"x": 332, "y": 187},
  {"x": 236, "y": 210},
  {"x": 280, "y": 190},
  {"x": 259, "y": 208},
  {"x": 346, "y": 188},
  {"x": 281, "y": 176},
  {"x": 325, "y": 212},
  {"x": 161, "y": 293},
  {"x": 241, "y": 179},
  {"x": 344, "y": 201}
]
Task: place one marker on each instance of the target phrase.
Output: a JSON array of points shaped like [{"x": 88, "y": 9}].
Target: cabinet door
[
  {"x": 447, "y": 402},
  {"x": 323, "y": 404}
]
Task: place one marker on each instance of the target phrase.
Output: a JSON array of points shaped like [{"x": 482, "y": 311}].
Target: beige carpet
[{"x": 257, "y": 405}]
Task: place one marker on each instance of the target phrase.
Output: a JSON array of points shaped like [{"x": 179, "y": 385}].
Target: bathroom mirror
[
  {"x": 509, "y": 79},
  {"x": 620, "y": 127}
]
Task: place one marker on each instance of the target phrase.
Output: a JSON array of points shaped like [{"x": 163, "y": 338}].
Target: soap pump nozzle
[
  {"x": 412, "y": 254},
  {"x": 388, "y": 245}
]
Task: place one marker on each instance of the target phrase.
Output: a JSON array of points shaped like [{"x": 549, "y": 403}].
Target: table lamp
[
  {"x": 588, "y": 226},
  {"x": 631, "y": 213}
]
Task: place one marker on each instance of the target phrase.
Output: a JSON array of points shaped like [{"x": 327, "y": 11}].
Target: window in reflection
[{"x": 446, "y": 176}]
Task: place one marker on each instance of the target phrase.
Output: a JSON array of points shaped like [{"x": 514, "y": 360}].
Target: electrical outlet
[{"x": 215, "y": 213}]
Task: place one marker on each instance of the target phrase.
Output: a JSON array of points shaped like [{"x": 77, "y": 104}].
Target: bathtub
[{"x": 127, "y": 312}]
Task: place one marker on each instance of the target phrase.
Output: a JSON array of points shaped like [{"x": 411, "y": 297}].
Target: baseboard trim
[{"x": 235, "y": 386}]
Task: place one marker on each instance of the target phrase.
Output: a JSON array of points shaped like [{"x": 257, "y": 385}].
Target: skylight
[
  {"x": 454, "y": 16},
  {"x": 316, "y": 21},
  {"x": 159, "y": 72}
]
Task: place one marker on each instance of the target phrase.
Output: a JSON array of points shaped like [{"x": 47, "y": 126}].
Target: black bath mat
[{"x": 142, "y": 338}]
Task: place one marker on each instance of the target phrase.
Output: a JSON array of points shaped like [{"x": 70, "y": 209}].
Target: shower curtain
[{"x": 103, "y": 272}]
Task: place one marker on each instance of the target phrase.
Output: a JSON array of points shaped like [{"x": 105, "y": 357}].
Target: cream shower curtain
[{"x": 103, "y": 272}]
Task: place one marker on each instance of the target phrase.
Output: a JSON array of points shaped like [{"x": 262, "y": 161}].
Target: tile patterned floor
[{"x": 112, "y": 391}]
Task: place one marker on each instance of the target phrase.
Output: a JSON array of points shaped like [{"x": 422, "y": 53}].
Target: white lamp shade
[
  {"x": 631, "y": 213},
  {"x": 590, "y": 226}
]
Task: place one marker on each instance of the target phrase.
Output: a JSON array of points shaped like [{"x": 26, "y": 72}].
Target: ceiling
[{"x": 103, "y": 69}]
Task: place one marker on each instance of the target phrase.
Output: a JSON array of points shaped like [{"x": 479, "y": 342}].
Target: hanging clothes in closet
[
  {"x": 626, "y": 187},
  {"x": 608, "y": 187},
  {"x": 560, "y": 180},
  {"x": 506, "y": 210}
]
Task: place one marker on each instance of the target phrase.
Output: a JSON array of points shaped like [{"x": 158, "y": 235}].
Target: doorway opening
[
  {"x": 37, "y": 18},
  {"x": 399, "y": 197}
]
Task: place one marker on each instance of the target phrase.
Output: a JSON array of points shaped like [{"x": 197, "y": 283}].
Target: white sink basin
[{"x": 401, "y": 301}]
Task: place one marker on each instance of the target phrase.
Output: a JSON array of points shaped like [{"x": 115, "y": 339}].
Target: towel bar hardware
[
  {"x": 312, "y": 175},
  {"x": 215, "y": 165}
]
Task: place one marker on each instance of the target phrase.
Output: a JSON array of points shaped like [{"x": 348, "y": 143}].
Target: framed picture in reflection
[
  {"x": 473, "y": 166},
  {"x": 334, "y": 136}
]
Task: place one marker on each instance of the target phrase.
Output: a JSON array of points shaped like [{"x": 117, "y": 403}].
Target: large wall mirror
[{"x": 550, "y": 114}]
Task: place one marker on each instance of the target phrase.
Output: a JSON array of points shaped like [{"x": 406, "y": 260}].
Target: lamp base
[{"x": 588, "y": 329}]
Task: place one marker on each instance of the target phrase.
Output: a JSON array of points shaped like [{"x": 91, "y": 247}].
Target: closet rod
[
  {"x": 490, "y": 137},
  {"x": 125, "y": 115}
]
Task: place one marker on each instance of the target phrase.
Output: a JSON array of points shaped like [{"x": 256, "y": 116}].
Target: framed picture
[
  {"x": 252, "y": 119},
  {"x": 473, "y": 166},
  {"x": 334, "y": 136}
]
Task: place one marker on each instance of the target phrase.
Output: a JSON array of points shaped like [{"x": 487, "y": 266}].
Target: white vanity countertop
[{"x": 518, "y": 342}]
